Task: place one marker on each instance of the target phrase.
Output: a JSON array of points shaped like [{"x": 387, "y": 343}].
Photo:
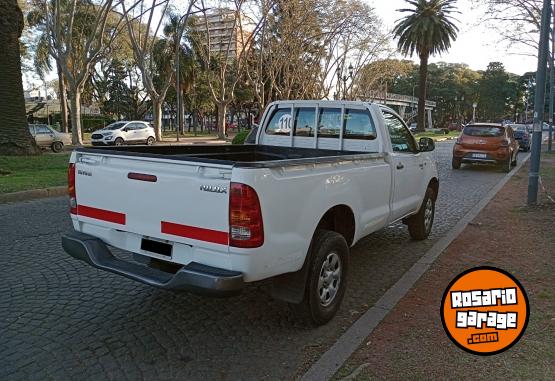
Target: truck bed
[{"x": 236, "y": 155}]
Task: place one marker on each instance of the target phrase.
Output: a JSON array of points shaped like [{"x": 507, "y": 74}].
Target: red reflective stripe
[
  {"x": 193, "y": 232},
  {"x": 101, "y": 214}
]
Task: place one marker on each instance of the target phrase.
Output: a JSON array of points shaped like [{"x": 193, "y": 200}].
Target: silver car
[{"x": 47, "y": 137}]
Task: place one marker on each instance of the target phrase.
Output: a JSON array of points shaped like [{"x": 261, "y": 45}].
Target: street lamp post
[
  {"x": 474, "y": 105},
  {"x": 343, "y": 79},
  {"x": 539, "y": 102}
]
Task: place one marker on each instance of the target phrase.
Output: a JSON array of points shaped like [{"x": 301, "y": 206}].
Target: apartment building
[{"x": 227, "y": 35}]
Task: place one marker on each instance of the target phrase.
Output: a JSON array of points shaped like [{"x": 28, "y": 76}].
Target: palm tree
[
  {"x": 426, "y": 30},
  {"x": 15, "y": 138}
]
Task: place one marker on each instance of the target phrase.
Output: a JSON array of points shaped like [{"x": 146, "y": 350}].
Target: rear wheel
[
  {"x": 118, "y": 141},
  {"x": 150, "y": 141},
  {"x": 57, "y": 147},
  {"x": 420, "y": 225},
  {"x": 327, "y": 277},
  {"x": 456, "y": 163}
]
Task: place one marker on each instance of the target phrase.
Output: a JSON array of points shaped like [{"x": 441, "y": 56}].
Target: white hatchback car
[{"x": 124, "y": 132}]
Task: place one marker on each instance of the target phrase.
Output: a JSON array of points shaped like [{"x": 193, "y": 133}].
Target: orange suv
[{"x": 486, "y": 143}]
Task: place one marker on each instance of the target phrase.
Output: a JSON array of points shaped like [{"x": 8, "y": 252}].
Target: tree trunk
[
  {"x": 221, "y": 120},
  {"x": 63, "y": 98},
  {"x": 15, "y": 138},
  {"x": 76, "y": 134},
  {"x": 182, "y": 112},
  {"x": 157, "y": 115},
  {"x": 421, "y": 126}
]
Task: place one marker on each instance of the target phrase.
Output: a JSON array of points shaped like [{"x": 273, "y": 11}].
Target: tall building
[{"x": 224, "y": 31}]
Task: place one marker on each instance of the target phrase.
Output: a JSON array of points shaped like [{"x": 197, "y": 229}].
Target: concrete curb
[
  {"x": 331, "y": 361},
  {"x": 33, "y": 194}
]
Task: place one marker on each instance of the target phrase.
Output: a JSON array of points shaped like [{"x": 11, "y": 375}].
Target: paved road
[{"x": 63, "y": 320}]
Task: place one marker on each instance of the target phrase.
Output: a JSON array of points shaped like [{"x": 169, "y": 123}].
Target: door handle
[
  {"x": 400, "y": 166},
  {"x": 421, "y": 165}
]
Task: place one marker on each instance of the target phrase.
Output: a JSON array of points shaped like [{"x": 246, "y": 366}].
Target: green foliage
[
  {"x": 240, "y": 137},
  {"x": 428, "y": 29},
  {"x": 498, "y": 90}
]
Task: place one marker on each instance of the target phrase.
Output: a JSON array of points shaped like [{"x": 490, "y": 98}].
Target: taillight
[
  {"x": 245, "y": 217},
  {"x": 505, "y": 143},
  {"x": 458, "y": 141},
  {"x": 71, "y": 189}
]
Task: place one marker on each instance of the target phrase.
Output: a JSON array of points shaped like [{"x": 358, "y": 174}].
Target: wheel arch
[{"x": 291, "y": 287}]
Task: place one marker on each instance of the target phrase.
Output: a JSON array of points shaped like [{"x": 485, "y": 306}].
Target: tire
[
  {"x": 118, "y": 141},
  {"x": 420, "y": 225},
  {"x": 456, "y": 163},
  {"x": 57, "y": 147},
  {"x": 150, "y": 141},
  {"x": 514, "y": 162},
  {"x": 327, "y": 278}
]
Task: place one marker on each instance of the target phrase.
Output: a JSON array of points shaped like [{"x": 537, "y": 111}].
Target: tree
[
  {"x": 428, "y": 29},
  {"x": 36, "y": 20},
  {"x": 497, "y": 93},
  {"x": 516, "y": 22},
  {"x": 225, "y": 62},
  {"x": 151, "y": 53},
  {"x": 15, "y": 138},
  {"x": 79, "y": 32}
]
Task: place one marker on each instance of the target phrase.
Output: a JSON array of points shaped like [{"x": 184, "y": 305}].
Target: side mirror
[
  {"x": 126, "y": 129},
  {"x": 427, "y": 144}
]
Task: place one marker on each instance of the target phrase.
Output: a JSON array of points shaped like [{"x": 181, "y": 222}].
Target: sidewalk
[{"x": 410, "y": 343}]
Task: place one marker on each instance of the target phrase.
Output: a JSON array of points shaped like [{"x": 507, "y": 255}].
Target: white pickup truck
[{"x": 213, "y": 218}]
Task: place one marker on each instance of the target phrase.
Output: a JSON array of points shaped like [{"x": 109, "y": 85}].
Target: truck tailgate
[{"x": 168, "y": 200}]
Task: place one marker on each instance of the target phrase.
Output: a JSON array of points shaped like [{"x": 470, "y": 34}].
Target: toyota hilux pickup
[{"x": 320, "y": 176}]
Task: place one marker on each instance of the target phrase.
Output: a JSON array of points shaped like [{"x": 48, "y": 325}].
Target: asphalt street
[{"x": 61, "y": 319}]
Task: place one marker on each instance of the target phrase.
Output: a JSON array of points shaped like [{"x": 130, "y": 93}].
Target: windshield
[
  {"x": 115, "y": 126},
  {"x": 483, "y": 131}
]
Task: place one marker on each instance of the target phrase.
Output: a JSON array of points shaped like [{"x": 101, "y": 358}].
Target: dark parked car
[{"x": 522, "y": 136}]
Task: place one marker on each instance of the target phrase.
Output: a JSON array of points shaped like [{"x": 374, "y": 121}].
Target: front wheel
[
  {"x": 420, "y": 225},
  {"x": 118, "y": 141},
  {"x": 327, "y": 277},
  {"x": 57, "y": 147}
]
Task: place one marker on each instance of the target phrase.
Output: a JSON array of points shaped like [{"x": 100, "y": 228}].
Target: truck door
[{"x": 407, "y": 165}]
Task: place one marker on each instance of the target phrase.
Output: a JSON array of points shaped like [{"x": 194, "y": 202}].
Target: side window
[
  {"x": 359, "y": 125},
  {"x": 280, "y": 122},
  {"x": 401, "y": 138},
  {"x": 32, "y": 129},
  {"x": 43, "y": 130},
  {"x": 141, "y": 126},
  {"x": 329, "y": 123},
  {"x": 304, "y": 121}
]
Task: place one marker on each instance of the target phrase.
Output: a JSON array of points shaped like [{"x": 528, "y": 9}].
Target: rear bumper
[
  {"x": 192, "y": 277},
  {"x": 467, "y": 155}
]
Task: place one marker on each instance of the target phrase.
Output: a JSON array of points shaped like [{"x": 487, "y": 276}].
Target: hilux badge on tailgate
[{"x": 213, "y": 189}]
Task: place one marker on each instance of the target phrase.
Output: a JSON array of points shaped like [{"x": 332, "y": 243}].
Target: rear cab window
[
  {"x": 328, "y": 125},
  {"x": 484, "y": 131},
  {"x": 280, "y": 122}
]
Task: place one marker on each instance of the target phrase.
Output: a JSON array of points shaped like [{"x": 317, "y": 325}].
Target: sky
[{"x": 476, "y": 44}]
